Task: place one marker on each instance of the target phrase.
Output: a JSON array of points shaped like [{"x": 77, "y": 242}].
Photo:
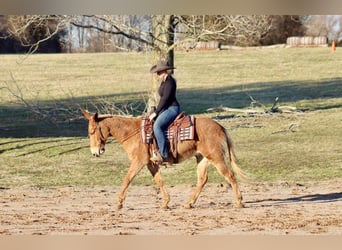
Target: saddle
[{"x": 181, "y": 129}]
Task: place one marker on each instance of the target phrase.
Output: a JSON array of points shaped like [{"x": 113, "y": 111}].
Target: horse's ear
[
  {"x": 96, "y": 116},
  {"x": 86, "y": 114}
]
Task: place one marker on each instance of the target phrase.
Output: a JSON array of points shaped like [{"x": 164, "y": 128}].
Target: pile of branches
[{"x": 256, "y": 108}]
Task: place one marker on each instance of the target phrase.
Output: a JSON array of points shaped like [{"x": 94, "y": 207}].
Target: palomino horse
[{"x": 211, "y": 145}]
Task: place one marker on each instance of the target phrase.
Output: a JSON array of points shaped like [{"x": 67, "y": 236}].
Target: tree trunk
[{"x": 163, "y": 39}]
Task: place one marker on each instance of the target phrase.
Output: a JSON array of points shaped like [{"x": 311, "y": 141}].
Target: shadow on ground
[{"x": 317, "y": 198}]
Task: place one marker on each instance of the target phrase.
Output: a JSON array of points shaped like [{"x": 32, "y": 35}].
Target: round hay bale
[
  {"x": 320, "y": 40},
  {"x": 306, "y": 41},
  {"x": 293, "y": 41}
]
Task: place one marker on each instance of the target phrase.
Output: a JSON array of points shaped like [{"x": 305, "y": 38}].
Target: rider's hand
[{"x": 152, "y": 116}]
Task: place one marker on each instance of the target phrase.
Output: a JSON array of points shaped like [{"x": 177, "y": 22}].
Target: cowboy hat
[{"x": 161, "y": 66}]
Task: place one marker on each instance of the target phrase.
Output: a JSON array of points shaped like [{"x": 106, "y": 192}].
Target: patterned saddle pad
[{"x": 182, "y": 128}]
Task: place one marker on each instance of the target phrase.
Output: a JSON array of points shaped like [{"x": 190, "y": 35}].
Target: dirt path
[{"x": 273, "y": 209}]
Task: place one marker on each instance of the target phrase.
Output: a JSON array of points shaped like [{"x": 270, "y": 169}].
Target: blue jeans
[{"x": 164, "y": 119}]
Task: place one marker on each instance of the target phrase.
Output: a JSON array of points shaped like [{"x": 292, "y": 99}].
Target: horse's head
[{"x": 97, "y": 134}]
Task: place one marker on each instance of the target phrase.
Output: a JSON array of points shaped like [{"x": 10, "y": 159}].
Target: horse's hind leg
[
  {"x": 202, "y": 177},
  {"x": 154, "y": 169},
  {"x": 223, "y": 169}
]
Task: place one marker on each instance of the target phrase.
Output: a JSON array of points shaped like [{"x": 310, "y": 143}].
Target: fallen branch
[
  {"x": 292, "y": 128},
  {"x": 287, "y": 109},
  {"x": 235, "y": 110},
  {"x": 274, "y": 109},
  {"x": 274, "y": 106},
  {"x": 255, "y": 102}
]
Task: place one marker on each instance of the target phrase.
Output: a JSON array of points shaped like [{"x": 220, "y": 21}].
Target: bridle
[
  {"x": 102, "y": 138},
  {"x": 100, "y": 132}
]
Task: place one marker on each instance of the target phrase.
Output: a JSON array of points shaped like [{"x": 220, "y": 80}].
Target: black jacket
[{"x": 167, "y": 92}]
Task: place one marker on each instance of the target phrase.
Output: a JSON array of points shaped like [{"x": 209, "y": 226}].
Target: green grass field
[{"x": 300, "y": 146}]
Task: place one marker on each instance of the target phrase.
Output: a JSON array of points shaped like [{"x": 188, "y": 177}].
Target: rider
[{"x": 167, "y": 110}]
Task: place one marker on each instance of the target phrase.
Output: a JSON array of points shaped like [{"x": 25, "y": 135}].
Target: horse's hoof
[
  {"x": 119, "y": 207},
  {"x": 240, "y": 205},
  {"x": 237, "y": 205},
  {"x": 165, "y": 207},
  {"x": 188, "y": 206}
]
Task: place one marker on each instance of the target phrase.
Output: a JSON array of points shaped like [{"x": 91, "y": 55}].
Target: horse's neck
[{"x": 121, "y": 127}]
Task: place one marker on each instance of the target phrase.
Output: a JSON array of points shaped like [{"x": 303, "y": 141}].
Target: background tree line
[{"x": 92, "y": 33}]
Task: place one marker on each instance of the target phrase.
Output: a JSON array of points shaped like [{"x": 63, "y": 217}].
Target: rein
[
  {"x": 136, "y": 131},
  {"x": 130, "y": 135}
]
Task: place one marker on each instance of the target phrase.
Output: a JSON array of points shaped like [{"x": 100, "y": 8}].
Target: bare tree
[
  {"x": 282, "y": 27},
  {"x": 33, "y": 30},
  {"x": 325, "y": 25},
  {"x": 160, "y": 33},
  {"x": 130, "y": 29},
  {"x": 240, "y": 29}
]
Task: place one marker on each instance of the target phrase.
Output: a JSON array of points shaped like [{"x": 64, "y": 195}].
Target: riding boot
[{"x": 156, "y": 157}]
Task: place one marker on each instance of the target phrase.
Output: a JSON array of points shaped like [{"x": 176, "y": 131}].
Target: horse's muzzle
[{"x": 97, "y": 151}]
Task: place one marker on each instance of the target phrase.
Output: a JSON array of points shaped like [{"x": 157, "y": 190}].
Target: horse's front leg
[
  {"x": 131, "y": 173},
  {"x": 154, "y": 169}
]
